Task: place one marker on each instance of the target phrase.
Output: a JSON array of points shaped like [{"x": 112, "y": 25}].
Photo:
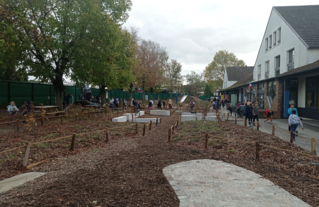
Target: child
[
  {"x": 294, "y": 121},
  {"x": 12, "y": 109},
  {"x": 270, "y": 115}
]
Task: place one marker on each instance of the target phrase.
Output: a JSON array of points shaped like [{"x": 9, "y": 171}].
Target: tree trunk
[
  {"x": 59, "y": 89},
  {"x": 103, "y": 95},
  {"x": 59, "y": 98}
]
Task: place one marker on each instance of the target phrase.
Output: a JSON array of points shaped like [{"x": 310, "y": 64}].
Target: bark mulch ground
[{"x": 129, "y": 171}]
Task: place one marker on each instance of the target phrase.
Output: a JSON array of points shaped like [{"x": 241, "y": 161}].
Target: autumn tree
[
  {"x": 216, "y": 69},
  {"x": 54, "y": 35},
  {"x": 151, "y": 60},
  {"x": 173, "y": 75}
]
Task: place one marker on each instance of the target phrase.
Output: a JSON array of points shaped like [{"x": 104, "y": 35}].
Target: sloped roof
[
  {"x": 304, "y": 20},
  {"x": 305, "y": 68},
  {"x": 237, "y": 73},
  {"x": 243, "y": 81}
]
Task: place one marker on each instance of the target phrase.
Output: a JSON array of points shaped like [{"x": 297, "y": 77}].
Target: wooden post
[
  {"x": 235, "y": 119},
  {"x": 227, "y": 116},
  {"x": 72, "y": 142},
  {"x": 144, "y": 129},
  {"x": 273, "y": 129},
  {"x": 61, "y": 120},
  {"x": 136, "y": 128},
  {"x": 107, "y": 133},
  {"x": 206, "y": 142},
  {"x": 76, "y": 116},
  {"x": 257, "y": 150},
  {"x": 88, "y": 114},
  {"x": 257, "y": 125},
  {"x": 245, "y": 122},
  {"x": 313, "y": 146},
  {"x": 150, "y": 128},
  {"x": 17, "y": 125},
  {"x": 156, "y": 121},
  {"x": 26, "y": 155},
  {"x": 291, "y": 137},
  {"x": 169, "y": 135},
  {"x": 132, "y": 118},
  {"x": 42, "y": 121}
]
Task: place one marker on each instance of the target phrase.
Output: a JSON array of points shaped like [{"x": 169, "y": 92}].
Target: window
[
  {"x": 267, "y": 69},
  {"x": 271, "y": 92},
  {"x": 270, "y": 41},
  {"x": 291, "y": 54},
  {"x": 261, "y": 93},
  {"x": 277, "y": 65},
  {"x": 275, "y": 37},
  {"x": 312, "y": 92},
  {"x": 266, "y": 42},
  {"x": 279, "y": 35},
  {"x": 259, "y": 72},
  {"x": 310, "y": 99}
]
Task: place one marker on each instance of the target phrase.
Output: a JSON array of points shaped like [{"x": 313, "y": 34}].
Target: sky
[{"x": 193, "y": 31}]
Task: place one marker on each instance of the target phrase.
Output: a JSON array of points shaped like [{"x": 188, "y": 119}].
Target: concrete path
[
  {"x": 205, "y": 183},
  {"x": 18, "y": 180},
  {"x": 311, "y": 130}
]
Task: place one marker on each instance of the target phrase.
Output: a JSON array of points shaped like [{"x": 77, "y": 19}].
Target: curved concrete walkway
[{"x": 206, "y": 182}]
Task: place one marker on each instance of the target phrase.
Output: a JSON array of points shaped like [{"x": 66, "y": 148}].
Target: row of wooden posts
[{"x": 107, "y": 133}]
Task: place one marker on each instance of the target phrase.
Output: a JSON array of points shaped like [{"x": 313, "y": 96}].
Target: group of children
[{"x": 160, "y": 104}]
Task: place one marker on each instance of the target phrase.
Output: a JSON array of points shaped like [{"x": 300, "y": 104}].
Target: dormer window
[
  {"x": 266, "y": 44},
  {"x": 270, "y": 41},
  {"x": 275, "y": 37}
]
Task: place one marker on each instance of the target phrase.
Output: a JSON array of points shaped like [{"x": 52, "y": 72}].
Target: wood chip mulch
[{"x": 129, "y": 173}]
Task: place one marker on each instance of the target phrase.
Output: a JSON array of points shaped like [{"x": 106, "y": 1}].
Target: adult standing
[
  {"x": 159, "y": 104},
  {"x": 163, "y": 104},
  {"x": 152, "y": 103},
  {"x": 255, "y": 113},
  {"x": 248, "y": 113},
  {"x": 170, "y": 103},
  {"x": 292, "y": 107}
]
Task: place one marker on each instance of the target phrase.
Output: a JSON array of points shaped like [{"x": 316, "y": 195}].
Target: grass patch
[
  {"x": 177, "y": 138},
  {"x": 43, "y": 145},
  {"x": 231, "y": 151},
  {"x": 12, "y": 156}
]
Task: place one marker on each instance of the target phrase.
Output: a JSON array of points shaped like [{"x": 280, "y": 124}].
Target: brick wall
[{"x": 276, "y": 104}]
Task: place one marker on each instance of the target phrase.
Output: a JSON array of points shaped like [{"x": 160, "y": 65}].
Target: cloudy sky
[{"x": 193, "y": 31}]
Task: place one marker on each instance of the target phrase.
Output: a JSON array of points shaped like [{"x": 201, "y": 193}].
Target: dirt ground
[{"x": 128, "y": 172}]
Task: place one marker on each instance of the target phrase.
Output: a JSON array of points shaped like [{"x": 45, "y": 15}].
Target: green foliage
[
  {"x": 59, "y": 39},
  {"x": 215, "y": 70},
  {"x": 195, "y": 82},
  {"x": 173, "y": 74}
]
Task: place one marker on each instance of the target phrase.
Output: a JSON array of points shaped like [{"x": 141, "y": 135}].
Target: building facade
[{"x": 286, "y": 70}]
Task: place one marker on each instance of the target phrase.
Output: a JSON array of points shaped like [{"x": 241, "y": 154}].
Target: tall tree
[
  {"x": 195, "y": 82},
  {"x": 54, "y": 33},
  {"x": 150, "y": 66},
  {"x": 216, "y": 69},
  {"x": 173, "y": 75}
]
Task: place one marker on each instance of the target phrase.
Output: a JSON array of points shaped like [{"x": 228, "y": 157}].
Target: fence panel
[
  {"x": 20, "y": 92},
  {"x": 4, "y": 95},
  {"x": 41, "y": 94}
]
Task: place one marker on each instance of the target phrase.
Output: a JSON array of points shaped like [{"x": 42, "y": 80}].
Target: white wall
[
  {"x": 302, "y": 91},
  {"x": 289, "y": 40}
]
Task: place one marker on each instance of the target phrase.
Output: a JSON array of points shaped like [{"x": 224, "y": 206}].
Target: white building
[
  {"x": 234, "y": 74},
  {"x": 287, "y": 66},
  {"x": 290, "y": 41}
]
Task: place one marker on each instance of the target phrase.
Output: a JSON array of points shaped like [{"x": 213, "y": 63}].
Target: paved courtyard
[
  {"x": 311, "y": 130},
  {"x": 203, "y": 183}
]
